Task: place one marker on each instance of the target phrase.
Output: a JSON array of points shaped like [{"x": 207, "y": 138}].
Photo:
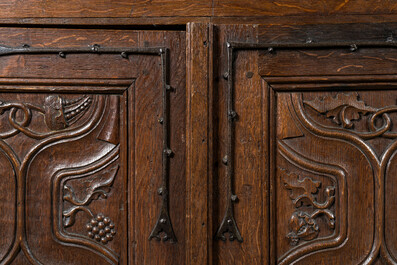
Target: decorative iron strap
[
  {"x": 163, "y": 224},
  {"x": 163, "y": 228},
  {"x": 228, "y": 224}
]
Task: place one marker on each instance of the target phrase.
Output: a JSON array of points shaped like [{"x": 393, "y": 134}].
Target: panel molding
[
  {"x": 338, "y": 175},
  {"x": 99, "y": 105},
  {"x": 327, "y": 83},
  {"x": 65, "y": 217}
]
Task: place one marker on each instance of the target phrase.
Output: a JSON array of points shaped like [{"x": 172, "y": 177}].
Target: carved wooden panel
[
  {"x": 249, "y": 184},
  {"x": 331, "y": 191},
  {"x": 314, "y": 130},
  {"x": 64, "y": 151},
  {"x": 82, "y": 148}
]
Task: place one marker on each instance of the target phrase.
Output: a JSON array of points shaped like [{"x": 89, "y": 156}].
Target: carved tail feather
[{"x": 74, "y": 109}]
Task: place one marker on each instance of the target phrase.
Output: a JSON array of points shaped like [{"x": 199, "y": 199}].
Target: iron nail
[
  {"x": 168, "y": 152},
  {"x": 95, "y": 48},
  {"x": 232, "y": 114},
  {"x": 353, "y": 47},
  {"x": 234, "y": 198},
  {"x": 225, "y": 160}
]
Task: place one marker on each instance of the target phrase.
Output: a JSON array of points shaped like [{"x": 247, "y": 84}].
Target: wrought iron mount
[
  {"x": 228, "y": 224},
  {"x": 163, "y": 225},
  {"x": 62, "y": 52}
]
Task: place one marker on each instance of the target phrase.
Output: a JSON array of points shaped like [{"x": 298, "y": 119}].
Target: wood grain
[
  {"x": 288, "y": 7},
  {"x": 186, "y": 8},
  {"x": 55, "y": 160},
  {"x": 250, "y": 181},
  {"x": 198, "y": 144}
]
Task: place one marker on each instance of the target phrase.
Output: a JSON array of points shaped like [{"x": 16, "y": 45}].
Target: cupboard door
[
  {"x": 88, "y": 119},
  {"x": 303, "y": 122}
]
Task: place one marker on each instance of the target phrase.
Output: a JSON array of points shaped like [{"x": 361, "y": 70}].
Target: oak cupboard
[{"x": 198, "y": 132}]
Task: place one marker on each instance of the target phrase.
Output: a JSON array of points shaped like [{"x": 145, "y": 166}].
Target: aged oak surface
[
  {"x": 331, "y": 142},
  {"x": 198, "y": 132},
  {"x": 186, "y": 8},
  {"x": 71, "y": 183}
]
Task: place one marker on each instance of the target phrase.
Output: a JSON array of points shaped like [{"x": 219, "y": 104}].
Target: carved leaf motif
[
  {"x": 303, "y": 224},
  {"x": 98, "y": 187},
  {"x": 342, "y": 108}
]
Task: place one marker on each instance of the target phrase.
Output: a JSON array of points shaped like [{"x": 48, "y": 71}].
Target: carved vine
[
  {"x": 304, "y": 192},
  {"x": 346, "y": 108},
  {"x": 59, "y": 113},
  {"x": 100, "y": 227}
]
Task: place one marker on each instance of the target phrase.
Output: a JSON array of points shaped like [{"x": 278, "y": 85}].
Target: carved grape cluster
[{"x": 101, "y": 229}]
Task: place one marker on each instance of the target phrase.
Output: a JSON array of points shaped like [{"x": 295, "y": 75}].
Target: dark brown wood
[
  {"x": 69, "y": 154},
  {"x": 249, "y": 183},
  {"x": 284, "y": 7},
  {"x": 198, "y": 144},
  {"x": 146, "y": 151},
  {"x": 266, "y": 124},
  {"x": 186, "y": 8},
  {"x": 331, "y": 145}
]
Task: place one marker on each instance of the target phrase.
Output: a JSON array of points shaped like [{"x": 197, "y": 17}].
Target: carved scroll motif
[
  {"x": 379, "y": 161},
  {"x": 346, "y": 108},
  {"x": 59, "y": 114},
  {"x": 304, "y": 192}
]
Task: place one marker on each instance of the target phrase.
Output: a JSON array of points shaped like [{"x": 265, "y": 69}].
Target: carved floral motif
[
  {"x": 342, "y": 108},
  {"x": 345, "y": 108},
  {"x": 304, "y": 192},
  {"x": 100, "y": 227}
]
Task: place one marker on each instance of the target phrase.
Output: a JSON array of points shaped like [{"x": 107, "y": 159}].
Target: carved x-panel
[{"x": 64, "y": 153}]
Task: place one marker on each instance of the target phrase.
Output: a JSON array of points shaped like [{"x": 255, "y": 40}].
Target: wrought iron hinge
[
  {"x": 163, "y": 225},
  {"x": 163, "y": 228},
  {"x": 228, "y": 224}
]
